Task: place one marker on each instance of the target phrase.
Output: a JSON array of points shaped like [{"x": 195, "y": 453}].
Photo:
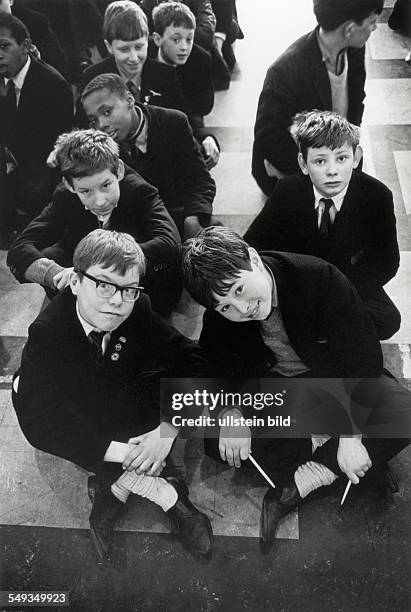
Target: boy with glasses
[{"x": 88, "y": 388}]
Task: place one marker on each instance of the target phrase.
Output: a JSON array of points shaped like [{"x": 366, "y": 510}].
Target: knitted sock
[
  {"x": 156, "y": 489},
  {"x": 312, "y": 476}
]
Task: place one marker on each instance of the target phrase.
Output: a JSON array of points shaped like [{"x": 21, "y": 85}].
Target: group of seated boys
[{"x": 300, "y": 296}]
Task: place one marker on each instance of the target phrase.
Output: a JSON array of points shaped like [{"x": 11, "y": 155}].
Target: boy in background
[
  {"x": 97, "y": 190},
  {"x": 174, "y": 28},
  {"x": 335, "y": 211}
]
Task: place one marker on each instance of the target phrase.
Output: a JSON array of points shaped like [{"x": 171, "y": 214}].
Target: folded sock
[
  {"x": 311, "y": 476},
  {"x": 154, "y": 488}
]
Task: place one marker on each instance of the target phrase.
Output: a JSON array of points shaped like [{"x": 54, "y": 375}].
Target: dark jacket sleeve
[
  {"x": 205, "y": 22},
  {"x": 196, "y": 186},
  {"x": 379, "y": 258},
  {"x": 49, "y": 418},
  {"x": 44, "y": 231},
  {"x": 158, "y": 235}
]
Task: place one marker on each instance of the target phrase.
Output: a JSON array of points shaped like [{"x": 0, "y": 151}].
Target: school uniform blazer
[
  {"x": 363, "y": 239},
  {"x": 323, "y": 316},
  {"x": 140, "y": 212},
  {"x": 45, "y": 111},
  {"x": 297, "y": 81},
  {"x": 159, "y": 85},
  {"x": 69, "y": 406},
  {"x": 173, "y": 162}
]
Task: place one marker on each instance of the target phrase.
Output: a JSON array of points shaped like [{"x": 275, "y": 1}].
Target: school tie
[
  {"x": 325, "y": 223},
  {"x": 134, "y": 90},
  {"x": 96, "y": 339},
  {"x": 11, "y": 97}
]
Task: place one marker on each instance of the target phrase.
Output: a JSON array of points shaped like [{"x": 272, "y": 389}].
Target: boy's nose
[
  {"x": 133, "y": 55},
  {"x": 241, "y": 306},
  {"x": 116, "y": 299},
  {"x": 331, "y": 168}
]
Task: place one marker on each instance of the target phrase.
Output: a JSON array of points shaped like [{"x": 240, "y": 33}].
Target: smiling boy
[
  {"x": 287, "y": 315},
  {"x": 335, "y": 211},
  {"x": 88, "y": 388},
  {"x": 98, "y": 191}
]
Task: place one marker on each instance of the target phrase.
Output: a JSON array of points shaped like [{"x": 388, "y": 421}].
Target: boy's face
[
  {"x": 108, "y": 112},
  {"x": 358, "y": 34},
  {"x": 250, "y": 297},
  {"x": 129, "y": 55},
  {"x": 175, "y": 44},
  {"x": 105, "y": 314},
  {"x": 100, "y": 192},
  {"x": 330, "y": 170},
  {"x": 12, "y": 55}
]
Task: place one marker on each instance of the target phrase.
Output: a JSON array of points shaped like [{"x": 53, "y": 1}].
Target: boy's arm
[
  {"x": 158, "y": 235},
  {"x": 276, "y": 107},
  {"x": 194, "y": 182},
  {"x": 44, "y": 231},
  {"x": 49, "y": 418},
  {"x": 379, "y": 260}
]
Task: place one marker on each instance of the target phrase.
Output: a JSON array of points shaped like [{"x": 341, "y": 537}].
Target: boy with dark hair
[
  {"x": 98, "y": 191},
  {"x": 173, "y": 34},
  {"x": 286, "y": 315},
  {"x": 159, "y": 144},
  {"x": 88, "y": 388},
  {"x": 35, "y": 106},
  {"x": 323, "y": 69},
  {"x": 335, "y": 211}
]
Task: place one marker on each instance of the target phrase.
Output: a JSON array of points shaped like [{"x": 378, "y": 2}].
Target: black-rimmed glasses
[{"x": 107, "y": 290}]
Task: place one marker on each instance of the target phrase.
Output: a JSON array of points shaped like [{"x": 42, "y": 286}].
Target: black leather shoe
[
  {"x": 190, "y": 525},
  {"x": 277, "y": 503},
  {"x": 105, "y": 512}
]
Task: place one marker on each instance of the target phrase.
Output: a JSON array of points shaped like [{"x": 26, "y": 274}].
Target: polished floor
[{"x": 354, "y": 560}]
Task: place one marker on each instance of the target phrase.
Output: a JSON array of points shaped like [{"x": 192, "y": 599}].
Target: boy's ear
[
  {"x": 157, "y": 38},
  {"x": 302, "y": 164},
  {"x": 67, "y": 185},
  {"x": 120, "y": 170},
  {"x": 358, "y": 153},
  {"x": 255, "y": 259},
  {"x": 347, "y": 29},
  {"x": 74, "y": 283},
  {"x": 108, "y": 47}
]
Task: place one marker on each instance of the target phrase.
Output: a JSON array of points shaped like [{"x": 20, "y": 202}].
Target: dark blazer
[
  {"x": 42, "y": 36},
  {"x": 323, "y": 316},
  {"x": 363, "y": 239},
  {"x": 70, "y": 407},
  {"x": 140, "y": 212},
  {"x": 298, "y": 81},
  {"x": 45, "y": 110},
  {"x": 159, "y": 85},
  {"x": 173, "y": 163}
]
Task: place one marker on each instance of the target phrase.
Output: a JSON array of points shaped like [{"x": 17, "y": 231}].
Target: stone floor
[{"x": 355, "y": 560}]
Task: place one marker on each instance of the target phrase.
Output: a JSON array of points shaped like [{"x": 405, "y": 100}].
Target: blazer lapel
[{"x": 321, "y": 80}]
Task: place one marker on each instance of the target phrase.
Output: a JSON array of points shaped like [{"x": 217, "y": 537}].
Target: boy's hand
[
  {"x": 150, "y": 451},
  {"x": 191, "y": 227},
  {"x": 62, "y": 278},
  {"x": 353, "y": 458},
  {"x": 211, "y": 152},
  {"x": 235, "y": 442}
]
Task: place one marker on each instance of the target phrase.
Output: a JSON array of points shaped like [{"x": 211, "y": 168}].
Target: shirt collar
[
  {"x": 337, "y": 200},
  {"x": 274, "y": 294},
  {"x": 327, "y": 56},
  {"x": 20, "y": 77}
]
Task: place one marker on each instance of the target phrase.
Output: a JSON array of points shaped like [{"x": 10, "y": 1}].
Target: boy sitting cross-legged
[
  {"x": 335, "y": 211},
  {"x": 98, "y": 190},
  {"x": 292, "y": 316},
  {"x": 88, "y": 388}
]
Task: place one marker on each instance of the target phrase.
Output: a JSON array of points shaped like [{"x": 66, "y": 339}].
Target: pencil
[
  {"x": 260, "y": 469},
  {"x": 347, "y": 488}
]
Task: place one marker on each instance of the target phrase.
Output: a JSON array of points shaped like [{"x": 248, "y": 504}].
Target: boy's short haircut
[
  {"x": 211, "y": 262},
  {"x": 84, "y": 153},
  {"x": 174, "y": 14},
  {"x": 109, "y": 249},
  {"x": 330, "y": 14},
  {"x": 16, "y": 27},
  {"x": 315, "y": 129},
  {"x": 124, "y": 20},
  {"x": 110, "y": 81}
]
